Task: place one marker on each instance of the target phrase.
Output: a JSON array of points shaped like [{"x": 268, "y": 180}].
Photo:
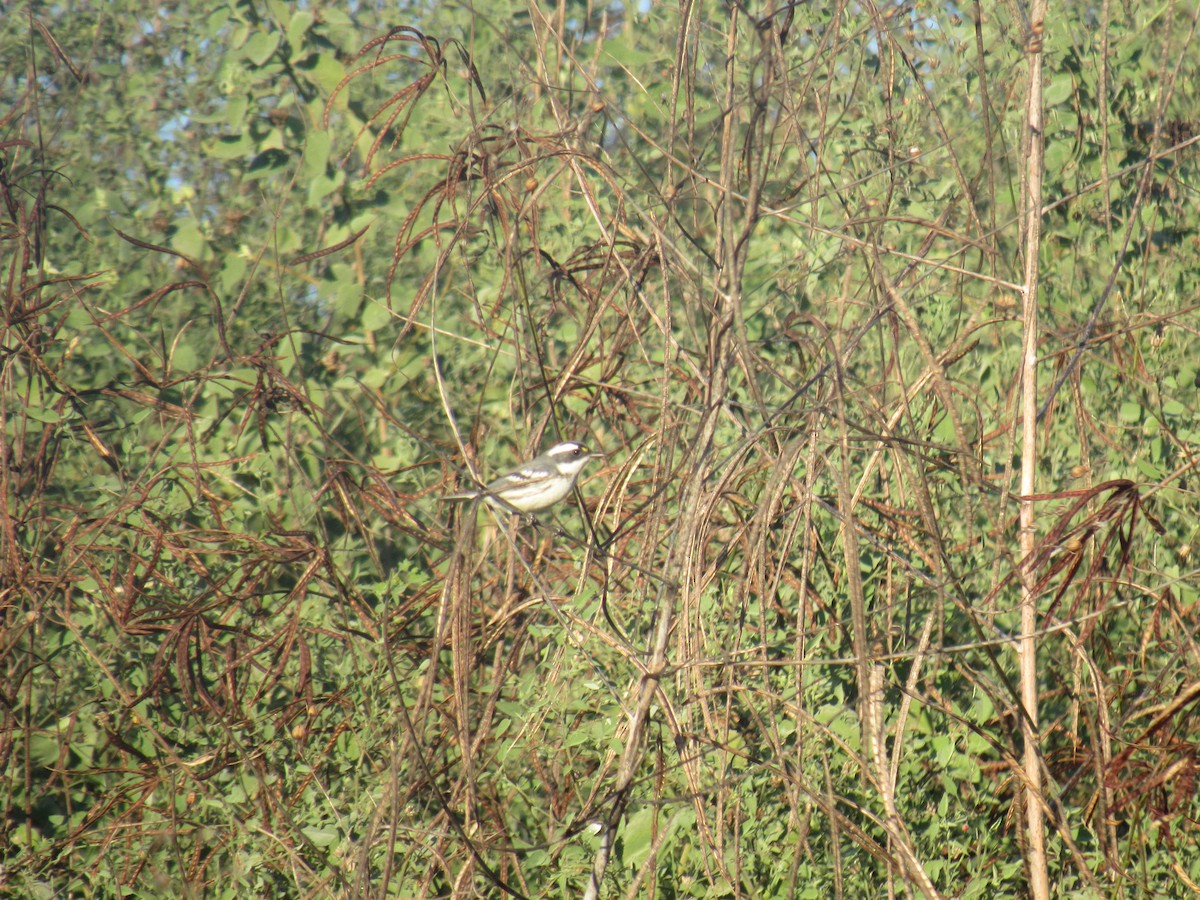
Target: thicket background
[{"x": 276, "y": 276}]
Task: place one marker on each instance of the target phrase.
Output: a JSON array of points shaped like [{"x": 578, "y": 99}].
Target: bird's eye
[{"x": 577, "y": 451}]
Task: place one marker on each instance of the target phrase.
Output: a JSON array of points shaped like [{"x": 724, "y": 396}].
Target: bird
[{"x": 536, "y": 485}]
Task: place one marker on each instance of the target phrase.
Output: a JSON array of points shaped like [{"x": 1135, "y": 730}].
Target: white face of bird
[{"x": 569, "y": 457}]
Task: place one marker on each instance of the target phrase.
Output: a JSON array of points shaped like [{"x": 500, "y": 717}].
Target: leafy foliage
[{"x": 277, "y": 278}]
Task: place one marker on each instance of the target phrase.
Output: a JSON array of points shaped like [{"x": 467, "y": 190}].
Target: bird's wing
[{"x": 519, "y": 477}]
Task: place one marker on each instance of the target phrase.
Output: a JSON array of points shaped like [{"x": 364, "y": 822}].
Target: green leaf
[
  {"x": 1059, "y": 90},
  {"x": 233, "y": 146},
  {"x": 40, "y": 414},
  {"x": 261, "y": 47},
  {"x": 297, "y": 29},
  {"x": 322, "y": 836}
]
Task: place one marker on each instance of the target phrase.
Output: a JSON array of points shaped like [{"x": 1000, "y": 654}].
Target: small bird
[{"x": 535, "y": 485}]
